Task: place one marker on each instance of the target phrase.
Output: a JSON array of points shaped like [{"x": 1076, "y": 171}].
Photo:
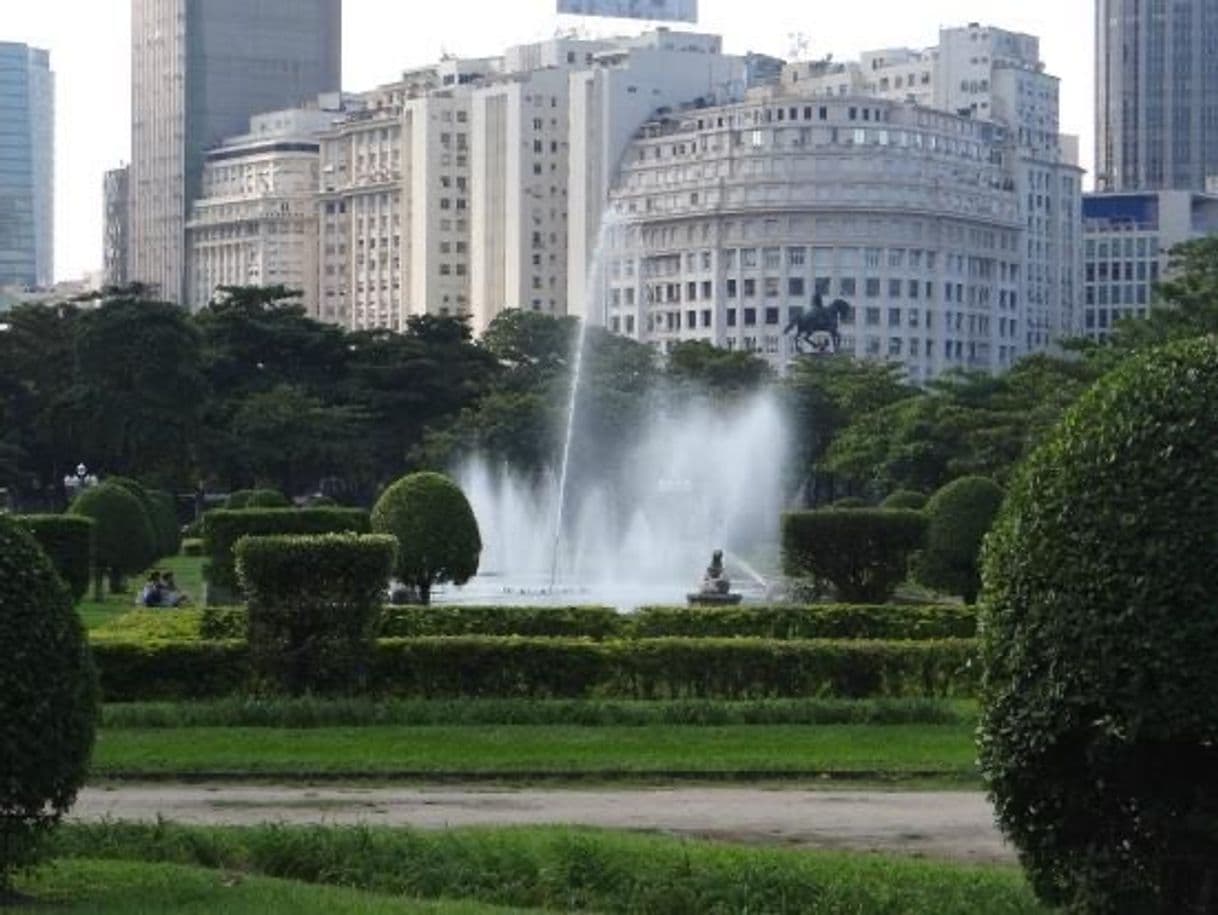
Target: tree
[
  {"x": 960, "y": 515},
  {"x": 139, "y": 388},
  {"x": 438, "y": 538},
  {"x": 1099, "y": 738},
  {"x": 863, "y": 552},
  {"x": 125, "y": 540},
  {"x": 48, "y": 701},
  {"x": 708, "y": 369}
]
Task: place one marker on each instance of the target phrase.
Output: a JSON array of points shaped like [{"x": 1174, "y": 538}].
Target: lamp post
[{"x": 77, "y": 482}]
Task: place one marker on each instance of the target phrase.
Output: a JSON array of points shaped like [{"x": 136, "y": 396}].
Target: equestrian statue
[{"x": 818, "y": 326}]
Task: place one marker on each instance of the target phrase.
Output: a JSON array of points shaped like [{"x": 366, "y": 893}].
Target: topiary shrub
[
  {"x": 257, "y": 498},
  {"x": 126, "y": 544},
  {"x": 959, "y": 516},
  {"x": 48, "y": 701},
  {"x": 193, "y": 547},
  {"x": 438, "y": 538},
  {"x": 314, "y": 608},
  {"x": 165, "y": 522},
  {"x": 137, "y": 489},
  {"x": 69, "y": 543},
  {"x": 863, "y": 553},
  {"x": 1099, "y": 616},
  {"x": 907, "y": 499},
  {"x": 223, "y": 528}
]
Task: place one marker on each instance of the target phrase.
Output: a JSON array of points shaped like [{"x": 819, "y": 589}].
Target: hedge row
[
  {"x": 817, "y": 621},
  {"x": 569, "y": 669},
  {"x": 70, "y": 542},
  {"x": 222, "y": 529}
]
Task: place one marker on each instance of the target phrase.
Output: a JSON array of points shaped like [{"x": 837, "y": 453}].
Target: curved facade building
[{"x": 726, "y": 221}]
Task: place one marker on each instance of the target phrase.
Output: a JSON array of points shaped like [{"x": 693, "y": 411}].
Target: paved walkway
[{"x": 956, "y": 825}]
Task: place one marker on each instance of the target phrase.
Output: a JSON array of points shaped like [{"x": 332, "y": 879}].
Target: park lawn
[
  {"x": 187, "y": 570},
  {"x": 847, "y": 751},
  {"x": 563, "y": 870},
  {"x": 86, "y": 887}
]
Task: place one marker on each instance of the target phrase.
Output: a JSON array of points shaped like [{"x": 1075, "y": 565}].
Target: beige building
[
  {"x": 255, "y": 221},
  {"x": 393, "y": 206}
]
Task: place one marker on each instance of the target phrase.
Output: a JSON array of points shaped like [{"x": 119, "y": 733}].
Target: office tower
[
  {"x": 116, "y": 201},
  {"x": 1156, "y": 94},
  {"x": 27, "y": 166},
  {"x": 200, "y": 70}
]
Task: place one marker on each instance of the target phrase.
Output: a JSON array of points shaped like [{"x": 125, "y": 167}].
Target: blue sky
[{"x": 89, "y": 43}]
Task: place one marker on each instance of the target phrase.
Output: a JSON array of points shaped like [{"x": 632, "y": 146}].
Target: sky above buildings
[{"x": 89, "y": 42}]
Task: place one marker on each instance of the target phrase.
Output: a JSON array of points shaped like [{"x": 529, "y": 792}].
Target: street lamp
[{"x": 77, "y": 482}]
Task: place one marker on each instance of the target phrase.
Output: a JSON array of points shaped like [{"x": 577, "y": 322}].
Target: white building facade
[
  {"x": 728, "y": 220},
  {"x": 255, "y": 221}
]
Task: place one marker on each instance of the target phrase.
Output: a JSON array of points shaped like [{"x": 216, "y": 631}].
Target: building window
[
  {"x": 750, "y": 289},
  {"x": 873, "y": 288},
  {"x": 731, "y": 317},
  {"x": 795, "y": 286},
  {"x": 771, "y": 316},
  {"x": 731, "y": 289},
  {"x": 750, "y": 317}
]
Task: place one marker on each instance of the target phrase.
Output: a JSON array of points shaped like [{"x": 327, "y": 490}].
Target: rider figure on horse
[{"x": 819, "y": 320}]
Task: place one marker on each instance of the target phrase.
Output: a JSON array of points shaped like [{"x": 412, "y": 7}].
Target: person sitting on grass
[
  {"x": 153, "y": 593},
  {"x": 172, "y": 597}
]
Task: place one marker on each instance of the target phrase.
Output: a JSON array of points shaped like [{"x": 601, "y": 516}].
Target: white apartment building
[
  {"x": 1128, "y": 239},
  {"x": 520, "y": 148},
  {"x": 996, "y": 75},
  {"x": 394, "y": 199},
  {"x": 254, "y": 223},
  {"x": 626, "y": 87},
  {"x": 727, "y": 220}
]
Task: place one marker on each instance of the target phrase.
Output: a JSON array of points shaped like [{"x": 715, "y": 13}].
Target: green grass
[
  {"x": 848, "y": 751},
  {"x": 568, "y": 870},
  {"x": 85, "y": 887},
  {"x": 187, "y": 570}
]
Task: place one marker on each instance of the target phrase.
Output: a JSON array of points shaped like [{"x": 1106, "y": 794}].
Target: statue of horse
[{"x": 819, "y": 319}]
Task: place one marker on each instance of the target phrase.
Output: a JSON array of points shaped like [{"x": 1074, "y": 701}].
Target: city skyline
[{"x": 90, "y": 49}]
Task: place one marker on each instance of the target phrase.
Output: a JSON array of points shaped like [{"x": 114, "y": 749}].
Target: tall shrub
[
  {"x": 144, "y": 496},
  {"x": 48, "y": 700},
  {"x": 165, "y": 522},
  {"x": 959, "y": 516},
  {"x": 126, "y": 543},
  {"x": 314, "y": 606},
  {"x": 863, "y": 553},
  {"x": 1099, "y": 617},
  {"x": 438, "y": 538},
  {"x": 69, "y": 542},
  {"x": 223, "y": 528}
]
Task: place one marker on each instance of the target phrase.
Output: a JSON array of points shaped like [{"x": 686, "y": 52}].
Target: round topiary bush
[
  {"x": 48, "y": 700},
  {"x": 125, "y": 540},
  {"x": 907, "y": 499},
  {"x": 257, "y": 498},
  {"x": 960, "y": 515},
  {"x": 438, "y": 538},
  {"x": 1099, "y": 617}
]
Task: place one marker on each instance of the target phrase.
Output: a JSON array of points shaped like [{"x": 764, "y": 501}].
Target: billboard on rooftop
[{"x": 659, "y": 10}]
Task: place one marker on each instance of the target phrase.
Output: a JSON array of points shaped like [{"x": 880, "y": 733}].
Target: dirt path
[{"x": 956, "y": 825}]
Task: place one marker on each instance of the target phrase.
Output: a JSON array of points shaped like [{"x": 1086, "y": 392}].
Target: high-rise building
[
  {"x": 27, "y": 166},
  {"x": 116, "y": 215},
  {"x": 255, "y": 220},
  {"x": 931, "y": 190},
  {"x": 1156, "y": 94},
  {"x": 200, "y": 70}
]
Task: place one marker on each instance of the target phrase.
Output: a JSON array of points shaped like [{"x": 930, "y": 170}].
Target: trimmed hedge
[
  {"x": 256, "y": 498},
  {"x": 534, "y": 622},
  {"x": 818, "y": 621},
  {"x": 575, "y": 669},
  {"x": 864, "y": 553},
  {"x": 313, "y": 608},
  {"x": 165, "y": 522},
  {"x": 70, "y": 542},
  {"x": 222, "y": 528},
  {"x": 906, "y": 498},
  {"x": 959, "y": 515}
]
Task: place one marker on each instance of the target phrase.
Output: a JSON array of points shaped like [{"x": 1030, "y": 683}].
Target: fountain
[
  {"x": 628, "y": 533},
  {"x": 716, "y": 587}
]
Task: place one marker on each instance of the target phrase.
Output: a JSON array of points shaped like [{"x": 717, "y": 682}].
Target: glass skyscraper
[
  {"x": 1156, "y": 94},
  {"x": 27, "y": 166},
  {"x": 199, "y": 70}
]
